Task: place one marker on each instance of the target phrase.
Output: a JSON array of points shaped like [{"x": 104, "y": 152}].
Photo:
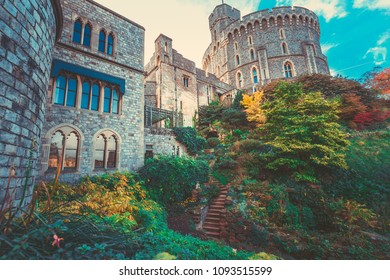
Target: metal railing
[{"x": 156, "y": 117}]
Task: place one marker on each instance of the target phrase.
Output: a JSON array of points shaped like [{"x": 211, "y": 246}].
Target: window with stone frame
[
  {"x": 237, "y": 60},
  {"x": 87, "y": 35},
  {"x": 239, "y": 80},
  {"x": 284, "y": 48},
  {"x": 252, "y": 54},
  {"x": 110, "y": 44},
  {"x": 77, "y": 31},
  {"x": 66, "y": 94},
  {"x": 65, "y": 91},
  {"x": 186, "y": 81},
  {"x": 106, "y": 153},
  {"x": 288, "y": 70},
  {"x": 102, "y": 41},
  {"x": 255, "y": 76},
  {"x": 64, "y": 150}
]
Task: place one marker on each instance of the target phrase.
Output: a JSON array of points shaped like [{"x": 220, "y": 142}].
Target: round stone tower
[
  {"x": 28, "y": 33},
  {"x": 270, "y": 44}
]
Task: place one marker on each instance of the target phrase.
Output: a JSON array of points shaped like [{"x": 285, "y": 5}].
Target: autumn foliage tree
[
  {"x": 381, "y": 81},
  {"x": 302, "y": 128},
  {"x": 252, "y": 106}
]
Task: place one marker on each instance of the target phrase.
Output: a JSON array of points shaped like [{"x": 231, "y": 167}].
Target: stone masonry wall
[
  {"x": 262, "y": 30},
  {"x": 126, "y": 63},
  {"x": 27, "y": 35},
  {"x": 162, "y": 142}
]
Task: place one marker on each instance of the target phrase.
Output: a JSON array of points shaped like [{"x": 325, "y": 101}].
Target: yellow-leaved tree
[{"x": 252, "y": 107}]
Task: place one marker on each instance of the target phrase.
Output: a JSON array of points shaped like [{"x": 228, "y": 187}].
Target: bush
[
  {"x": 226, "y": 163},
  {"x": 213, "y": 142},
  {"x": 188, "y": 137},
  {"x": 170, "y": 180}
]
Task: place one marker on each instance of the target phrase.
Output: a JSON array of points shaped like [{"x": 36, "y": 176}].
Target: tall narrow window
[
  {"x": 87, "y": 35},
  {"x": 281, "y": 32},
  {"x": 252, "y": 55},
  {"x": 102, "y": 41},
  {"x": 56, "y": 146},
  {"x": 288, "y": 70},
  {"x": 235, "y": 46},
  {"x": 100, "y": 146},
  {"x": 239, "y": 80},
  {"x": 71, "y": 150},
  {"x": 77, "y": 29},
  {"x": 111, "y": 151},
  {"x": 72, "y": 92},
  {"x": 59, "y": 97},
  {"x": 95, "y": 97},
  {"x": 250, "y": 40},
  {"x": 107, "y": 100},
  {"x": 284, "y": 48},
  {"x": 115, "y": 102},
  {"x": 110, "y": 44},
  {"x": 255, "y": 77},
  {"x": 85, "y": 95},
  {"x": 237, "y": 60}
]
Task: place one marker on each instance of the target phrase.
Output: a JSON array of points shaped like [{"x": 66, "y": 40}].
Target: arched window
[
  {"x": 252, "y": 52},
  {"x": 288, "y": 72},
  {"x": 64, "y": 150},
  {"x": 77, "y": 30},
  {"x": 271, "y": 22},
  {"x": 166, "y": 47},
  {"x": 250, "y": 40},
  {"x": 264, "y": 24},
  {"x": 237, "y": 59},
  {"x": 282, "y": 35},
  {"x": 110, "y": 44},
  {"x": 107, "y": 100},
  {"x": 87, "y": 35},
  {"x": 102, "y": 41},
  {"x": 284, "y": 48},
  {"x": 255, "y": 77},
  {"x": 106, "y": 150},
  {"x": 86, "y": 90},
  {"x": 235, "y": 46},
  {"x": 239, "y": 80},
  {"x": 66, "y": 91}
]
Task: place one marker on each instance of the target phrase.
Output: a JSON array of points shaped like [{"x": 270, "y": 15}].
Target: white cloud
[
  {"x": 333, "y": 72},
  {"x": 379, "y": 52},
  {"x": 329, "y": 9},
  {"x": 372, "y": 4},
  {"x": 326, "y": 47},
  {"x": 185, "y": 21}
]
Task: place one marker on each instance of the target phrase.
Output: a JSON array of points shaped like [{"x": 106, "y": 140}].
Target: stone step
[
  {"x": 215, "y": 214},
  {"x": 213, "y": 234},
  {"x": 217, "y": 206},
  {"x": 211, "y": 219},
  {"x": 211, "y": 228}
]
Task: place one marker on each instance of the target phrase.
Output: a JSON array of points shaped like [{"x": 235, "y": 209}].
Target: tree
[
  {"x": 351, "y": 105},
  {"x": 303, "y": 131},
  {"x": 252, "y": 104},
  {"x": 381, "y": 81}
]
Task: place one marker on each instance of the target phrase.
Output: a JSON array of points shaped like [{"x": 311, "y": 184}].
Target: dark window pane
[
  {"x": 110, "y": 44},
  {"x": 252, "y": 55},
  {"x": 111, "y": 149},
  {"x": 72, "y": 92},
  {"x": 56, "y": 145},
  {"x": 107, "y": 100},
  {"x": 255, "y": 79},
  {"x": 59, "y": 97},
  {"x": 87, "y": 36},
  {"x": 115, "y": 102},
  {"x": 102, "y": 41},
  {"x": 77, "y": 32},
  {"x": 71, "y": 151},
  {"x": 95, "y": 97},
  {"x": 85, "y": 95},
  {"x": 99, "y": 152}
]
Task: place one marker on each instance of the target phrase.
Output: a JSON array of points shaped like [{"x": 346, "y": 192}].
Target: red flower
[{"x": 56, "y": 241}]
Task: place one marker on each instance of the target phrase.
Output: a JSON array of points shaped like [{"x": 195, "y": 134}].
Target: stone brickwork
[
  {"x": 162, "y": 141},
  {"x": 125, "y": 64},
  {"x": 28, "y": 31},
  {"x": 178, "y": 85},
  {"x": 263, "y": 41}
]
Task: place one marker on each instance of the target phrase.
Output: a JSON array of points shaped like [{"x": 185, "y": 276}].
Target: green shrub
[
  {"x": 250, "y": 145},
  {"x": 213, "y": 142},
  {"x": 188, "y": 137},
  {"x": 226, "y": 163},
  {"x": 170, "y": 180}
]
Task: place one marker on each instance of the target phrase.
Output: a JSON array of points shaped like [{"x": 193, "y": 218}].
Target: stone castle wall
[
  {"x": 257, "y": 40},
  {"x": 27, "y": 35},
  {"x": 126, "y": 63}
]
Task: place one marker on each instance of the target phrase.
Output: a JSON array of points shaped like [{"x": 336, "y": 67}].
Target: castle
[{"x": 75, "y": 95}]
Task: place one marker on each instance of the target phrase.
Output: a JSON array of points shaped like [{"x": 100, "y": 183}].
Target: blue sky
[{"x": 355, "y": 34}]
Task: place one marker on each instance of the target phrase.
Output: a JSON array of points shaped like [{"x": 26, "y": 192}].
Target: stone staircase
[{"x": 216, "y": 213}]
